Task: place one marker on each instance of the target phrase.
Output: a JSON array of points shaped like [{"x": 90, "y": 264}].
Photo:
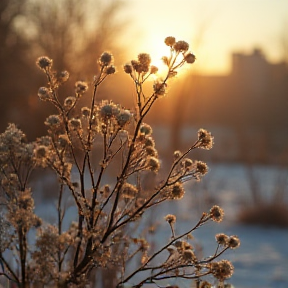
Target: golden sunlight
[
  {"x": 215, "y": 29},
  {"x": 158, "y": 52}
]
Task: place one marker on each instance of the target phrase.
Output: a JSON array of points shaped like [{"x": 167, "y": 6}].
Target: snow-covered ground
[{"x": 262, "y": 259}]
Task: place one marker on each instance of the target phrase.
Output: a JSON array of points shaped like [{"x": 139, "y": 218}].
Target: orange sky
[{"x": 213, "y": 28}]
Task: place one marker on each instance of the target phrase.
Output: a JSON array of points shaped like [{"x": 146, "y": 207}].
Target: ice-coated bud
[
  {"x": 128, "y": 68},
  {"x": 190, "y": 58},
  {"x": 44, "y": 93},
  {"x": 44, "y": 63},
  {"x": 111, "y": 69},
  {"x": 181, "y": 46},
  {"x": 170, "y": 41},
  {"x": 105, "y": 59}
]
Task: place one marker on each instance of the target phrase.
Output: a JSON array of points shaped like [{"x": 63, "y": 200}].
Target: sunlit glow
[
  {"x": 158, "y": 62},
  {"x": 157, "y": 54},
  {"x": 214, "y": 29}
]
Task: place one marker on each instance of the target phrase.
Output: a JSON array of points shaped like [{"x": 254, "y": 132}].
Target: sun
[{"x": 157, "y": 53}]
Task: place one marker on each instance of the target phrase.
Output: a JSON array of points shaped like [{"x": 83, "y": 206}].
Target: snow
[{"x": 261, "y": 261}]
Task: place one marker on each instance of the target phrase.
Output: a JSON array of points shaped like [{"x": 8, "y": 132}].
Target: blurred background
[{"x": 237, "y": 89}]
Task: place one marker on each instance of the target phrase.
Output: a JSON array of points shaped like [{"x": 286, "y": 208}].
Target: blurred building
[
  {"x": 246, "y": 110},
  {"x": 257, "y": 73}
]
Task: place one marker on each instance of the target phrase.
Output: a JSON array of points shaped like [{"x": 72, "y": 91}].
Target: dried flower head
[
  {"x": 170, "y": 218},
  {"x": 151, "y": 151},
  {"x": 146, "y": 129},
  {"x": 136, "y": 65},
  {"x": 233, "y": 242},
  {"x": 110, "y": 69},
  {"x": 187, "y": 163},
  {"x": 69, "y": 102},
  {"x": 188, "y": 255},
  {"x": 129, "y": 191},
  {"x": 144, "y": 59},
  {"x": 44, "y": 93},
  {"x": 10, "y": 180},
  {"x": 187, "y": 245},
  {"x": 53, "y": 121},
  {"x": 63, "y": 76},
  {"x": 179, "y": 245},
  {"x": 41, "y": 151},
  {"x": 170, "y": 41},
  {"x": 177, "y": 154},
  {"x": 85, "y": 112},
  {"x": 144, "y": 245},
  {"x": 116, "y": 110},
  {"x": 105, "y": 59},
  {"x": 177, "y": 191},
  {"x": 75, "y": 123},
  {"x": 205, "y": 284},
  {"x": 226, "y": 285},
  {"x": 153, "y": 69},
  {"x": 222, "y": 239},
  {"x": 106, "y": 111},
  {"x": 128, "y": 68},
  {"x": 81, "y": 87},
  {"x": 181, "y": 46},
  {"x": 123, "y": 118},
  {"x": 142, "y": 65},
  {"x": 190, "y": 58},
  {"x": 216, "y": 213},
  {"x": 44, "y": 63},
  {"x": 159, "y": 88},
  {"x": 45, "y": 140},
  {"x": 153, "y": 164},
  {"x": 149, "y": 142},
  {"x": 205, "y": 139},
  {"x": 165, "y": 60},
  {"x": 25, "y": 201},
  {"x": 63, "y": 140},
  {"x": 222, "y": 269},
  {"x": 105, "y": 191},
  {"x": 201, "y": 167}
]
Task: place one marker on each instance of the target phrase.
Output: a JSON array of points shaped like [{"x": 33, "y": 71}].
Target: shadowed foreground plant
[{"x": 108, "y": 192}]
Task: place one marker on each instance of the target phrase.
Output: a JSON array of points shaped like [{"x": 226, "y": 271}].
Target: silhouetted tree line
[{"x": 73, "y": 33}]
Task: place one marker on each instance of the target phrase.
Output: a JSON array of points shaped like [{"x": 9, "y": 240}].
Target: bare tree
[
  {"x": 66, "y": 31},
  {"x": 12, "y": 49}
]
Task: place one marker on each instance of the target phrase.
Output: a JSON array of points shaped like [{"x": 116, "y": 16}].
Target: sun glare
[
  {"x": 157, "y": 49},
  {"x": 157, "y": 54}
]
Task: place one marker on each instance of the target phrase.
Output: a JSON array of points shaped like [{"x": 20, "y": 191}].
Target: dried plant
[{"x": 109, "y": 211}]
